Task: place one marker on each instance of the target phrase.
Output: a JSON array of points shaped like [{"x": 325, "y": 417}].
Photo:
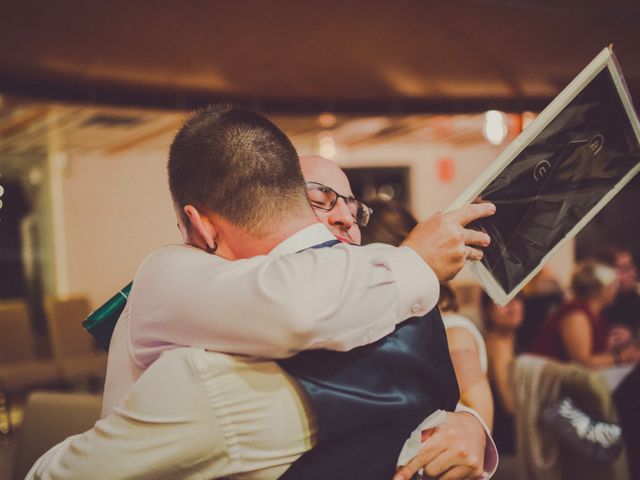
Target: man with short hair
[
  {"x": 330, "y": 194},
  {"x": 172, "y": 401}
]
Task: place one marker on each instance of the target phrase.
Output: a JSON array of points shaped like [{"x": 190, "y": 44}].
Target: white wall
[{"x": 117, "y": 210}]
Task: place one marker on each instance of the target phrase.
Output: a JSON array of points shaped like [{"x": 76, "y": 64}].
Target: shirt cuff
[
  {"x": 417, "y": 283},
  {"x": 490, "y": 450},
  {"x": 413, "y": 444}
]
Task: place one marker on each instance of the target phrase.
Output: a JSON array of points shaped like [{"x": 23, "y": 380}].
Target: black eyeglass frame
[{"x": 365, "y": 208}]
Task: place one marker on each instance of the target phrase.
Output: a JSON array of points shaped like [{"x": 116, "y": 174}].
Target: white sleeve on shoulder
[{"x": 334, "y": 298}]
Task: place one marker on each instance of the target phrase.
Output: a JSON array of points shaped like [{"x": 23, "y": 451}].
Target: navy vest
[{"x": 369, "y": 400}]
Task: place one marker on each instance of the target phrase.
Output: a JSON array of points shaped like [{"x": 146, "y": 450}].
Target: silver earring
[{"x": 213, "y": 249}]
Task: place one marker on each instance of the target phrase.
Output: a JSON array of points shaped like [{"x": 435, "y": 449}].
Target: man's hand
[
  {"x": 444, "y": 243},
  {"x": 454, "y": 451}
]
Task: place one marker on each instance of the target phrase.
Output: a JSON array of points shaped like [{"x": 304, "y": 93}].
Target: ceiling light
[
  {"x": 327, "y": 120},
  {"x": 495, "y": 128},
  {"x": 327, "y": 147}
]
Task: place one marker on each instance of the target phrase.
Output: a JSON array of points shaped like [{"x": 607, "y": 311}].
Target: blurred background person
[
  {"x": 469, "y": 356},
  {"x": 576, "y": 331},
  {"x": 500, "y": 327},
  {"x": 541, "y": 296},
  {"x": 391, "y": 223},
  {"x": 623, "y": 315}
]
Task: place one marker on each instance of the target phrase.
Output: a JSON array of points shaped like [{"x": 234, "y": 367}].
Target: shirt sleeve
[
  {"x": 334, "y": 298},
  {"x": 490, "y": 450}
]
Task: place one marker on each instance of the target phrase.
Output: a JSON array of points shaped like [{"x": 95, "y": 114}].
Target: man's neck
[{"x": 246, "y": 245}]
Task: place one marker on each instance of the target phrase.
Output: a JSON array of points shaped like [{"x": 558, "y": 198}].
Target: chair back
[
  {"x": 49, "y": 418},
  {"x": 16, "y": 339},
  {"x": 64, "y": 317},
  {"x": 536, "y": 382}
]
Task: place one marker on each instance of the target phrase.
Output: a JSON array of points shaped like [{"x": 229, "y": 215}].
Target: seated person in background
[
  {"x": 500, "y": 326},
  {"x": 541, "y": 296},
  {"x": 623, "y": 315},
  {"x": 391, "y": 223},
  {"x": 576, "y": 331},
  {"x": 469, "y": 356}
]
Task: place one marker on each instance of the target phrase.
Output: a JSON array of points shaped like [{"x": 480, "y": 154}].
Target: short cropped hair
[{"x": 236, "y": 163}]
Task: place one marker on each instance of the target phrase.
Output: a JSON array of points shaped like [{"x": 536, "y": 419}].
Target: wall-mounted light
[
  {"x": 327, "y": 146},
  {"x": 495, "y": 127}
]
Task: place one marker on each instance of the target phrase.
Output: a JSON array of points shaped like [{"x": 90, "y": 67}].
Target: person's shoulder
[
  {"x": 172, "y": 260},
  {"x": 455, "y": 320},
  {"x": 170, "y": 253},
  {"x": 572, "y": 310},
  {"x": 461, "y": 330}
]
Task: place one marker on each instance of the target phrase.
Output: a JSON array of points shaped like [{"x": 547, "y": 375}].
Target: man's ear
[{"x": 203, "y": 231}]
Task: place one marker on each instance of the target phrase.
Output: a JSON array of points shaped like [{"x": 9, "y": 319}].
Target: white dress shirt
[
  {"x": 193, "y": 414},
  {"x": 196, "y": 414},
  {"x": 267, "y": 306}
]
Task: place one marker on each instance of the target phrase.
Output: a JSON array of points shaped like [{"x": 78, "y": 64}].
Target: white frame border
[{"x": 605, "y": 59}]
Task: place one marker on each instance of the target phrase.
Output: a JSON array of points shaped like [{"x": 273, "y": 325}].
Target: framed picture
[{"x": 555, "y": 176}]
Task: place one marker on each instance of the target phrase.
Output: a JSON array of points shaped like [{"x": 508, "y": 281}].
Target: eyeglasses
[{"x": 325, "y": 198}]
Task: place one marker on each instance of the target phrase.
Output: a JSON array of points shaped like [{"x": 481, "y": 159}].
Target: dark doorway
[{"x": 385, "y": 183}]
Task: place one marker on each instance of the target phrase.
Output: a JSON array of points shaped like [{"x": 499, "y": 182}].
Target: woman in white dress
[
  {"x": 469, "y": 356},
  {"x": 391, "y": 223}
]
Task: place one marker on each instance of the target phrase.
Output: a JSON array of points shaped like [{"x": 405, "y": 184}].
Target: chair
[
  {"x": 17, "y": 342},
  {"x": 537, "y": 381},
  {"x": 73, "y": 348},
  {"x": 49, "y": 418},
  {"x": 19, "y": 367}
]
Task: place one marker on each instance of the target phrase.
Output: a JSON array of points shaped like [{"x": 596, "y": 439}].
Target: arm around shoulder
[{"x": 334, "y": 298}]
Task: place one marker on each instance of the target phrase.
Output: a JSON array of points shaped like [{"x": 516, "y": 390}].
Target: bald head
[{"x": 339, "y": 219}]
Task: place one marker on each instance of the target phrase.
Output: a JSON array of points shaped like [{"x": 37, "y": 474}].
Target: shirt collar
[{"x": 305, "y": 238}]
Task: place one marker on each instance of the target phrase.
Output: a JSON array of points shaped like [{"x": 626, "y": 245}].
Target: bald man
[{"x": 341, "y": 219}]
